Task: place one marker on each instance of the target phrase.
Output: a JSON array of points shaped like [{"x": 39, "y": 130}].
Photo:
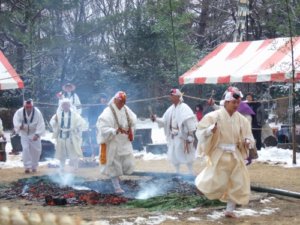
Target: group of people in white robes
[
  {"x": 67, "y": 125},
  {"x": 224, "y": 136}
]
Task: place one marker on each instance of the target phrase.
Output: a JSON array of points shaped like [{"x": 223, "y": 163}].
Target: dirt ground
[{"x": 286, "y": 209}]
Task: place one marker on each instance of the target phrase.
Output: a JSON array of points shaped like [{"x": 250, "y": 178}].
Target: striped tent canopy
[
  {"x": 247, "y": 62},
  {"x": 9, "y": 79}
]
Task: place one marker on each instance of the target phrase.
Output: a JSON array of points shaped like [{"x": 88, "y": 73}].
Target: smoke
[
  {"x": 68, "y": 179},
  {"x": 63, "y": 179},
  {"x": 150, "y": 190}
]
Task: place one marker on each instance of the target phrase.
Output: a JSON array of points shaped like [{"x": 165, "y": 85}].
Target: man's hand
[
  {"x": 215, "y": 128},
  {"x": 247, "y": 143},
  {"x": 2, "y": 136},
  {"x": 153, "y": 117},
  {"x": 35, "y": 137},
  {"x": 122, "y": 131},
  {"x": 190, "y": 139},
  {"x": 210, "y": 101}
]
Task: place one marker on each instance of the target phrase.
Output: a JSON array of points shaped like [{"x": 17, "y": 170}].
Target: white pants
[
  {"x": 31, "y": 152},
  {"x": 121, "y": 165},
  {"x": 177, "y": 155}
]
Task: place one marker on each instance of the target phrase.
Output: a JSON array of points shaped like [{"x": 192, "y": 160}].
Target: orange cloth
[{"x": 102, "y": 158}]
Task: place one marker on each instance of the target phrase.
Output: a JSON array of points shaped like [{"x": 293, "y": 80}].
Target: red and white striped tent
[
  {"x": 9, "y": 79},
  {"x": 247, "y": 62}
]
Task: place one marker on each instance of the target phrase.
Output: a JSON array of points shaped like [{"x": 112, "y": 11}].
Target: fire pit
[{"x": 49, "y": 190}]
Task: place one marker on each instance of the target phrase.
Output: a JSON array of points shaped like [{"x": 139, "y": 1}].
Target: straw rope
[
  {"x": 156, "y": 98},
  {"x": 16, "y": 217}
]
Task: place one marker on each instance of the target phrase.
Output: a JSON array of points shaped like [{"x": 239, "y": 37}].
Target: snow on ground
[
  {"x": 151, "y": 220},
  {"x": 278, "y": 156},
  {"x": 216, "y": 215}
]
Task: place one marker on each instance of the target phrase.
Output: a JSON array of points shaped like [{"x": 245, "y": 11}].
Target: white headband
[{"x": 229, "y": 96}]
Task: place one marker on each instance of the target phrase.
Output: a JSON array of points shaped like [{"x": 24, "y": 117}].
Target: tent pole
[{"x": 293, "y": 84}]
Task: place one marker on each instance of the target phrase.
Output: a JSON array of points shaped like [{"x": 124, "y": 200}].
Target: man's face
[
  {"x": 28, "y": 107},
  {"x": 68, "y": 88},
  {"x": 119, "y": 103},
  {"x": 249, "y": 98},
  {"x": 175, "y": 99},
  {"x": 232, "y": 106}
]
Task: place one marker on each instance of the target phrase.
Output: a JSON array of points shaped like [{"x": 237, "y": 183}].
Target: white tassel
[
  {"x": 34, "y": 218},
  {"x": 65, "y": 220},
  {"x": 17, "y": 218},
  {"x": 4, "y": 215},
  {"x": 49, "y": 219}
]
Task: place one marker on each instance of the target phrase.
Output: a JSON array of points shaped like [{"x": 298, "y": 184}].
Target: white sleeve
[
  {"x": 203, "y": 134},
  {"x": 54, "y": 121},
  {"x": 1, "y": 127},
  {"x": 40, "y": 129},
  {"x": 160, "y": 122},
  {"x": 190, "y": 124},
  {"x": 105, "y": 129},
  {"x": 17, "y": 120}
]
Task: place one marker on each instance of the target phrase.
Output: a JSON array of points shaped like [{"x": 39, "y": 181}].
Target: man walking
[
  {"x": 226, "y": 137},
  {"x": 179, "y": 123},
  {"x": 67, "y": 130},
  {"x": 115, "y": 133},
  {"x": 29, "y": 124}
]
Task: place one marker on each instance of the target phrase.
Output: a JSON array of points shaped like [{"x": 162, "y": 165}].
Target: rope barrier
[
  {"x": 98, "y": 104},
  {"x": 155, "y": 98},
  {"x": 204, "y": 99}
]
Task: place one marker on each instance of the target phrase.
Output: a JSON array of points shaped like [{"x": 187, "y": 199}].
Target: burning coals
[
  {"x": 43, "y": 189},
  {"x": 68, "y": 190}
]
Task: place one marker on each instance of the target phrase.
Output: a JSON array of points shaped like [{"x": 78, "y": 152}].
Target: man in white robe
[
  {"x": 115, "y": 133},
  {"x": 67, "y": 127},
  {"x": 69, "y": 92},
  {"x": 226, "y": 137},
  {"x": 179, "y": 124},
  {"x": 29, "y": 124}
]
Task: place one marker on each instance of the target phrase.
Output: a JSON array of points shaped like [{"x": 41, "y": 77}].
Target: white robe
[
  {"x": 68, "y": 140},
  {"x": 119, "y": 154},
  {"x": 184, "y": 120},
  {"x": 1, "y": 127},
  {"x": 75, "y": 103},
  {"x": 225, "y": 176},
  {"x": 31, "y": 150}
]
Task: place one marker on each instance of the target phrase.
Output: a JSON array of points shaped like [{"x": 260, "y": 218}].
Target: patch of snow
[
  {"x": 268, "y": 211},
  {"x": 243, "y": 212},
  {"x": 152, "y": 220},
  {"x": 99, "y": 222},
  {"x": 215, "y": 215},
  {"x": 149, "y": 156},
  {"x": 266, "y": 200},
  {"x": 274, "y": 155},
  {"x": 193, "y": 219}
]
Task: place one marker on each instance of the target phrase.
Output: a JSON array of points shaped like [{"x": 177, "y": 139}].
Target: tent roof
[
  {"x": 247, "y": 62},
  {"x": 9, "y": 79}
]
